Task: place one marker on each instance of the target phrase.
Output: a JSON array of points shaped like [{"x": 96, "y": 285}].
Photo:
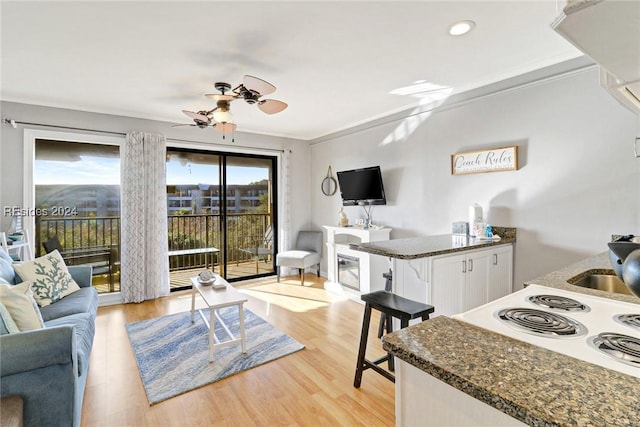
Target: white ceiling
[{"x": 334, "y": 63}]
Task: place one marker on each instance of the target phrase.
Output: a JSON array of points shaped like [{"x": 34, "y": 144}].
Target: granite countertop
[
  {"x": 422, "y": 247},
  {"x": 565, "y": 277},
  {"x": 521, "y": 379}
]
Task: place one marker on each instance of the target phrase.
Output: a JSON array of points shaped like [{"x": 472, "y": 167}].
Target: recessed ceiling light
[{"x": 461, "y": 27}]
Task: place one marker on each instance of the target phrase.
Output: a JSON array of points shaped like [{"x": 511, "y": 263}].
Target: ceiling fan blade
[
  {"x": 258, "y": 85},
  {"x": 196, "y": 116},
  {"x": 272, "y": 106},
  {"x": 220, "y": 97},
  {"x": 225, "y": 128}
]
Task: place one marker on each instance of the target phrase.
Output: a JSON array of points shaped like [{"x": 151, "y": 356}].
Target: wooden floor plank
[{"x": 312, "y": 387}]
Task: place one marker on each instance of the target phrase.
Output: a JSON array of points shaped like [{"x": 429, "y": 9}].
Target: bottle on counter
[{"x": 344, "y": 219}]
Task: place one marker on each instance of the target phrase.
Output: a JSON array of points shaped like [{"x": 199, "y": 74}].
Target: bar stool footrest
[{"x": 373, "y": 364}]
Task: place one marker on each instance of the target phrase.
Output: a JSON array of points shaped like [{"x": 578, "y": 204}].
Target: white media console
[{"x": 353, "y": 272}]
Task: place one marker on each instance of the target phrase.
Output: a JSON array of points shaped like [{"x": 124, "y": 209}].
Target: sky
[{"x": 106, "y": 171}]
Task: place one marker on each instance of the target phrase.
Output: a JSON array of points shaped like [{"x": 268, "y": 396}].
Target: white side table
[{"x": 217, "y": 298}]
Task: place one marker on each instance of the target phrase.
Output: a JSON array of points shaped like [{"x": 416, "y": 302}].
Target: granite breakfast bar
[
  {"x": 423, "y": 247},
  {"x": 435, "y": 269},
  {"x": 516, "y": 378}
]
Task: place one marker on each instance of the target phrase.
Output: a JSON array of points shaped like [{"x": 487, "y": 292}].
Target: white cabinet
[
  {"x": 459, "y": 282},
  {"x": 423, "y": 400},
  {"x": 456, "y": 282},
  {"x": 469, "y": 279},
  {"x": 447, "y": 283},
  {"x": 500, "y": 272},
  {"x": 477, "y": 283}
]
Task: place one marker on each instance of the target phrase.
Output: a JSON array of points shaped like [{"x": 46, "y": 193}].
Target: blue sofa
[{"x": 48, "y": 367}]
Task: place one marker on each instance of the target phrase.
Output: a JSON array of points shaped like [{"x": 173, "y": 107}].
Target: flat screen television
[{"x": 362, "y": 187}]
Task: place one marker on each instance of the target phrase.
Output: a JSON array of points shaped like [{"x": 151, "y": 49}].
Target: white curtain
[
  {"x": 286, "y": 241},
  {"x": 145, "y": 266}
]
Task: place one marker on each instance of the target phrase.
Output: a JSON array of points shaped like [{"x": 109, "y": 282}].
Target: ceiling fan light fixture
[
  {"x": 461, "y": 27},
  {"x": 250, "y": 90},
  {"x": 222, "y": 116}
]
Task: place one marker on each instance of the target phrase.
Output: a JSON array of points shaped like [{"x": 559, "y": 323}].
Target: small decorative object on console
[
  {"x": 344, "y": 219},
  {"x": 206, "y": 277}
]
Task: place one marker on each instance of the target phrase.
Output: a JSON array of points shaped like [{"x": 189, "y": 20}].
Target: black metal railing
[
  {"x": 78, "y": 232},
  {"x": 184, "y": 232},
  {"x": 192, "y": 232}
]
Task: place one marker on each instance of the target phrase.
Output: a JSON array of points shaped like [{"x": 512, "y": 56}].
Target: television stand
[{"x": 353, "y": 273}]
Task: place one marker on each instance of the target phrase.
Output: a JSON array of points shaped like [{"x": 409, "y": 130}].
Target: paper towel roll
[{"x": 475, "y": 216}]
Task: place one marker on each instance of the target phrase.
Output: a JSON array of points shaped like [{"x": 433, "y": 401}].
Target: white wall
[
  {"x": 11, "y": 149},
  {"x": 578, "y": 180},
  {"x": 577, "y": 184}
]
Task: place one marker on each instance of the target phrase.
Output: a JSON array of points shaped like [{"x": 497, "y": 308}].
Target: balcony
[{"x": 96, "y": 241}]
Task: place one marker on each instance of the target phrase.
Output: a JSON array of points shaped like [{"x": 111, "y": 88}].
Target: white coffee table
[{"x": 217, "y": 298}]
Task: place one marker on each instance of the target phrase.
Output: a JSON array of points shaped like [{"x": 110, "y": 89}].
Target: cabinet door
[
  {"x": 477, "y": 277},
  {"x": 447, "y": 284},
  {"x": 501, "y": 272}
]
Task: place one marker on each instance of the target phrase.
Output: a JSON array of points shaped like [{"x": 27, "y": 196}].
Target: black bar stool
[
  {"x": 388, "y": 286},
  {"x": 391, "y": 305}
]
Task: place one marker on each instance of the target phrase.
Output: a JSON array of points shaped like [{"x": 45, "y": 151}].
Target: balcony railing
[{"x": 184, "y": 232}]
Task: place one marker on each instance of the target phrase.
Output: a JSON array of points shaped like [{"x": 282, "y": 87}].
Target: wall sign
[{"x": 493, "y": 160}]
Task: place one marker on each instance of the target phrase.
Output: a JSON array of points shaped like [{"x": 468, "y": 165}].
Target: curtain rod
[{"x": 14, "y": 124}]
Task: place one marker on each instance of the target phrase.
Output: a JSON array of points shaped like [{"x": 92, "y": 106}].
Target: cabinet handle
[
  {"x": 495, "y": 259},
  {"x": 470, "y": 265},
  {"x": 464, "y": 266}
]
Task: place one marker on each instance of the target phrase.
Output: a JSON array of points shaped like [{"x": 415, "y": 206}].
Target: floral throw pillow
[{"x": 50, "y": 278}]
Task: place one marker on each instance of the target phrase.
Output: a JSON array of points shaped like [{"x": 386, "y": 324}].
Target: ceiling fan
[{"x": 251, "y": 90}]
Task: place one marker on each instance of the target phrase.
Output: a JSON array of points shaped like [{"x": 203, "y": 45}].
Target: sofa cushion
[
  {"x": 50, "y": 277},
  {"x": 6, "y": 269},
  {"x": 18, "y": 299},
  {"x": 84, "y": 325},
  {"x": 7, "y": 324},
  {"x": 5, "y": 256},
  {"x": 84, "y": 300}
]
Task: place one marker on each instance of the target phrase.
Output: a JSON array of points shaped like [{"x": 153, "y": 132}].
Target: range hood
[{"x": 609, "y": 32}]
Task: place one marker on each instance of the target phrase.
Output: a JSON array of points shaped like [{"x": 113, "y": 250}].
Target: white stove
[{"x": 596, "y": 330}]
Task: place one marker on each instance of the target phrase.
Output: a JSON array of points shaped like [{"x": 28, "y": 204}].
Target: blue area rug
[{"x": 173, "y": 354}]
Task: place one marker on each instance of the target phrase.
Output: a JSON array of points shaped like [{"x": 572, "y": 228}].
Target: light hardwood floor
[{"x": 313, "y": 387}]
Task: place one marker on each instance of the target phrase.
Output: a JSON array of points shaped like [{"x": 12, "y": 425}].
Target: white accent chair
[{"x": 307, "y": 252}]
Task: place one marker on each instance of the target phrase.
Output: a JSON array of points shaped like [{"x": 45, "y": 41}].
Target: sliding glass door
[
  {"x": 221, "y": 211},
  {"x": 250, "y": 215}
]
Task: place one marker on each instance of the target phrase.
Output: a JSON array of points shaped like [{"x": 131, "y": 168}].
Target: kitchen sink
[{"x": 604, "y": 282}]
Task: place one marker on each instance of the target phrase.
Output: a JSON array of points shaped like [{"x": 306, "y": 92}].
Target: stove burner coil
[
  {"x": 541, "y": 323},
  {"x": 623, "y": 348},
  {"x": 557, "y": 302},
  {"x": 632, "y": 320}
]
